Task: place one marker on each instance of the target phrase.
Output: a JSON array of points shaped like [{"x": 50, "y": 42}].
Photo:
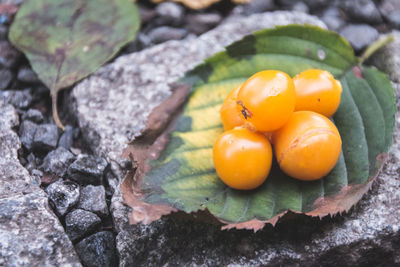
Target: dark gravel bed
[{"x": 74, "y": 179}]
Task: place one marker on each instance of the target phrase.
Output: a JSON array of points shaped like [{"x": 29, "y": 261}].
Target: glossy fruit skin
[
  {"x": 267, "y": 100},
  {"x": 230, "y": 116},
  {"x": 242, "y": 158},
  {"x": 308, "y": 146},
  {"x": 318, "y": 91}
]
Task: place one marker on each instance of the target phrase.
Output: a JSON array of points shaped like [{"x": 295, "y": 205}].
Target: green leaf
[
  {"x": 66, "y": 40},
  {"x": 184, "y": 178}
]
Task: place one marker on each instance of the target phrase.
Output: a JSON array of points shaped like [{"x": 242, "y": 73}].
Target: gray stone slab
[
  {"x": 30, "y": 233},
  {"x": 112, "y": 107}
]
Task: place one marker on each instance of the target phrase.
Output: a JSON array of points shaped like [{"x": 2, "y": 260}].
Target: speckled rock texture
[
  {"x": 30, "y": 233},
  {"x": 112, "y": 107}
]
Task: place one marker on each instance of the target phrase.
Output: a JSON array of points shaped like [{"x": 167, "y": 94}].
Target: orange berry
[
  {"x": 308, "y": 146},
  {"x": 266, "y": 100},
  {"x": 318, "y": 91},
  {"x": 242, "y": 158},
  {"x": 229, "y": 114}
]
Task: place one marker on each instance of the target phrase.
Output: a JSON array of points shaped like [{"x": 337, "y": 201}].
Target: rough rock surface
[
  {"x": 134, "y": 84},
  {"x": 30, "y": 234}
]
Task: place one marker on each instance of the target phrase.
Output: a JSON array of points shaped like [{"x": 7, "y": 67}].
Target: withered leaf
[{"x": 66, "y": 40}]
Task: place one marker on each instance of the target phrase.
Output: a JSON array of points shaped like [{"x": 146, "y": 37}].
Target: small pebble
[
  {"x": 146, "y": 14},
  {"x": 46, "y": 138},
  {"x": 255, "y": 6},
  {"x": 333, "y": 18},
  {"x": 67, "y": 137},
  {"x": 27, "y": 132},
  {"x": 87, "y": 169},
  {"x": 98, "y": 250},
  {"x": 79, "y": 223},
  {"x": 359, "y": 36},
  {"x": 300, "y": 7},
  {"x": 63, "y": 195},
  {"x": 93, "y": 199},
  {"x": 57, "y": 162},
  {"x": 31, "y": 162},
  {"x": 33, "y": 115},
  {"x": 21, "y": 99},
  {"x": 5, "y": 78},
  {"x": 170, "y": 13},
  {"x": 27, "y": 75},
  {"x": 9, "y": 56},
  {"x": 362, "y": 10},
  {"x": 202, "y": 22},
  {"x": 166, "y": 33}
]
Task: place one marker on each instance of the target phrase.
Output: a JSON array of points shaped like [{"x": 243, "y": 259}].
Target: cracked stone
[
  {"x": 79, "y": 223},
  {"x": 63, "y": 195},
  {"x": 87, "y": 169}
]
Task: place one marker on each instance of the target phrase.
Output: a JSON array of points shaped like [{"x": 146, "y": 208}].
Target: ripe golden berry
[
  {"x": 266, "y": 100},
  {"x": 318, "y": 91},
  {"x": 308, "y": 146},
  {"x": 242, "y": 158},
  {"x": 230, "y": 116}
]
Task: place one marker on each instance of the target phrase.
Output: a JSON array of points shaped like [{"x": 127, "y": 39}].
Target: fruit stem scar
[{"x": 245, "y": 112}]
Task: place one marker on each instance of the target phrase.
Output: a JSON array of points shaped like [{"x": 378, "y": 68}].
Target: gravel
[
  {"x": 27, "y": 75},
  {"x": 166, "y": 33},
  {"x": 93, "y": 198},
  {"x": 63, "y": 195},
  {"x": 27, "y": 132},
  {"x": 33, "y": 115},
  {"x": 79, "y": 223},
  {"x": 21, "y": 99},
  {"x": 87, "y": 169},
  {"x": 45, "y": 138},
  {"x": 98, "y": 250},
  {"x": 57, "y": 162},
  {"x": 359, "y": 35}
]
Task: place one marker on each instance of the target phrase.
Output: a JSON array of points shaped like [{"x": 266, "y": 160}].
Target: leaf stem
[
  {"x": 375, "y": 46},
  {"x": 55, "y": 112}
]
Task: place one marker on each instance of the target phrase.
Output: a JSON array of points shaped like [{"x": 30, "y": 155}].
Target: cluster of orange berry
[{"x": 292, "y": 114}]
